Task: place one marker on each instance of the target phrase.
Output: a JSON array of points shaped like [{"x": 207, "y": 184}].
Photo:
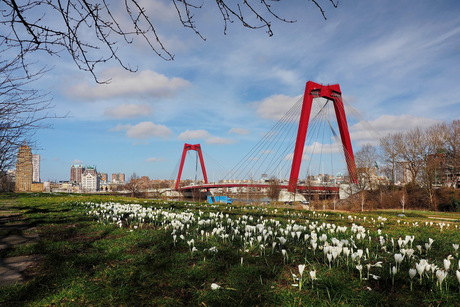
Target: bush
[{"x": 448, "y": 200}]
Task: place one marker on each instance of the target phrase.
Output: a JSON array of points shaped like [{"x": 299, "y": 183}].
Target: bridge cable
[{"x": 255, "y": 152}]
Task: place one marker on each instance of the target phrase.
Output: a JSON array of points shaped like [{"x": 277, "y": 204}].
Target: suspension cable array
[
  {"x": 284, "y": 144},
  {"x": 295, "y": 137}
]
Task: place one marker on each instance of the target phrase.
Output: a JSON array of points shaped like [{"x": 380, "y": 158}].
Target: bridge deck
[{"x": 330, "y": 188}]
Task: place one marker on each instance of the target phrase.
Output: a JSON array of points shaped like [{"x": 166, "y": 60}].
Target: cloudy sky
[{"x": 397, "y": 64}]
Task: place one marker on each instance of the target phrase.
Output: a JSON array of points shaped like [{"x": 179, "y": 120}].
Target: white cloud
[
  {"x": 290, "y": 157},
  {"x": 159, "y": 10},
  {"x": 124, "y": 83},
  {"x": 194, "y": 134},
  {"x": 204, "y": 135},
  {"x": 370, "y": 132},
  {"x": 219, "y": 140},
  {"x": 240, "y": 131},
  {"x": 128, "y": 111},
  {"x": 317, "y": 148},
  {"x": 276, "y": 106},
  {"x": 144, "y": 130},
  {"x": 286, "y": 76}
]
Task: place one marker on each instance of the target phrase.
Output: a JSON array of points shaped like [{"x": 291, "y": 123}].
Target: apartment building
[
  {"x": 24, "y": 170},
  {"x": 90, "y": 181}
]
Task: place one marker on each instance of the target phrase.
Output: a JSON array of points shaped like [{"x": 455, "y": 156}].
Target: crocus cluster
[{"x": 358, "y": 244}]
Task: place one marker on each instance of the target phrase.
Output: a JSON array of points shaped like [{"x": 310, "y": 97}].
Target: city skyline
[{"x": 395, "y": 65}]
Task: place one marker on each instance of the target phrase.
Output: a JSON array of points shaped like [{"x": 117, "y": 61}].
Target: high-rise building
[
  {"x": 36, "y": 168},
  {"x": 118, "y": 178},
  {"x": 90, "y": 180},
  {"x": 24, "y": 170},
  {"x": 76, "y": 171}
]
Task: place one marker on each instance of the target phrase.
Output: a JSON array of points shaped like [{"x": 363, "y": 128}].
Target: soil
[{"x": 13, "y": 233}]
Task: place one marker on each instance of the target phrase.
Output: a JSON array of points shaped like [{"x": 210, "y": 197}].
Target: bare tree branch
[
  {"x": 88, "y": 30},
  {"x": 23, "y": 109}
]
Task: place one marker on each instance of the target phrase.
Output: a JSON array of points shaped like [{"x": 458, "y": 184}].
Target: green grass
[{"x": 90, "y": 263}]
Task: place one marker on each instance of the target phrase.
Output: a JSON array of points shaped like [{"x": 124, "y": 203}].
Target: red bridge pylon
[
  {"x": 331, "y": 92},
  {"x": 197, "y": 148}
]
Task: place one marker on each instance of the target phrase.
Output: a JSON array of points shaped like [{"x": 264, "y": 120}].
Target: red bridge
[
  {"x": 331, "y": 188},
  {"x": 331, "y": 93}
]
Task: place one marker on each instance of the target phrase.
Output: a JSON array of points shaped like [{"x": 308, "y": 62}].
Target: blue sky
[{"x": 397, "y": 65}]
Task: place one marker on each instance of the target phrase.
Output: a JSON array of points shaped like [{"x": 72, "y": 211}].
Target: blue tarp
[{"x": 219, "y": 199}]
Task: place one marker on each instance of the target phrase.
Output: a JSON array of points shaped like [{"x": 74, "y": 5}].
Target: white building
[
  {"x": 90, "y": 180},
  {"x": 35, "y": 168}
]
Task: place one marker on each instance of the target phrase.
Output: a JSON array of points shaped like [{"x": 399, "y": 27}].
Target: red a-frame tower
[
  {"x": 197, "y": 148},
  {"x": 331, "y": 92}
]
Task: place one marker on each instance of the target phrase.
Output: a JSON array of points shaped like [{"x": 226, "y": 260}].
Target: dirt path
[{"x": 14, "y": 232}]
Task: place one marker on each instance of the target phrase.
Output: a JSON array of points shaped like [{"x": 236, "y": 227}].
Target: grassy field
[{"x": 106, "y": 251}]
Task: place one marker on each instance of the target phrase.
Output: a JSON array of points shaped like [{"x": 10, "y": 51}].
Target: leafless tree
[
  {"x": 452, "y": 146},
  {"x": 413, "y": 148},
  {"x": 92, "y": 31},
  {"x": 366, "y": 169},
  {"x": 366, "y": 166},
  {"x": 426, "y": 156},
  {"x": 273, "y": 188},
  {"x": 390, "y": 155},
  {"x": 434, "y": 166},
  {"x": 134, "y": 185},
  {"x": 23, "y": 110}
]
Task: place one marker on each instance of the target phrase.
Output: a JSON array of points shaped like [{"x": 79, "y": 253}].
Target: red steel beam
[
  {"x": 253, "y": 185},
  {"x": 331, "y": 92},
  {"x": 197, "y": 148}
]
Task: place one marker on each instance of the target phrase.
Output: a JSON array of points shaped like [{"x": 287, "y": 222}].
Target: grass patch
[{"x": 104, "y": 251}]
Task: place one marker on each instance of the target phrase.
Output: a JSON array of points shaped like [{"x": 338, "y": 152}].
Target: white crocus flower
[
  {"x": 412, "y": 273},
  {"x": 420, "y": 267},
  {"x": 446, "y": 264},
  {"x": 393, "y": 272},
  {"x": 409, "y": 253},
  {"x": 301, "y": 269},
  {"x": 273, "y": 246},
  {"x": 440, "y": 275},
  {"x": 285, "y": 255},
  {"x": 314, "y": 244},
  {"x": 400, "y": 242},
  {"x": 359, "y": 267},
  {"x": 455, "y": 246},
  {"x": 428, "y": 245},
  {"x": 215, "y": 286},
  {"x": 398, "y": 259}
]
